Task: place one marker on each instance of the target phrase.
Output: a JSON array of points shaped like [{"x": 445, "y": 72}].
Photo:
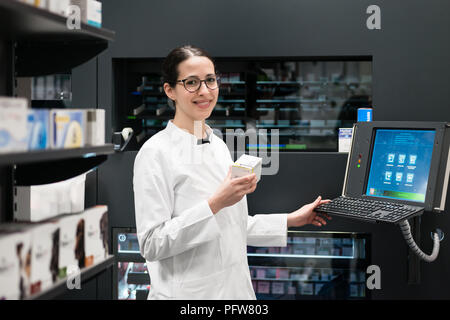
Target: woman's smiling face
[{"x": 197, "y": 105}]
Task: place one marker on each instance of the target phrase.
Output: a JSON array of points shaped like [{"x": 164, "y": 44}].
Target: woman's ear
[{"x": 169, "y": 91}]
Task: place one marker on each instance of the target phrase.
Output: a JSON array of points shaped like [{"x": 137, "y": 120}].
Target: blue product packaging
[
  {"x": 68, "y": 128},
  {"x": 38, "y": 129},
  {"x": 364, "y": 114}
]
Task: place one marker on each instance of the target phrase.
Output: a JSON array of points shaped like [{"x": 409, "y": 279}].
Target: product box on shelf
[
  {"x": 40, "y": 202},
  {"x": 38, "y": 129},
  {"x": 44, "y": 256},
  {"x": 58, "y": 6},
  {"x": 345, "y": 139},
  {"x": 71, "y": 243},
  {"x": 37, "y": 3},
  {"x": 263, "y": 287},
  {"x": 68, "y": 128},
  {"x": 39, "y": 259},
  {"x": 278, "y": 287},
  {"x": 15, "y": 264},
  {"x": 91, "y": 11},
  {"x": 96, "y": 234},
  {"x": 306, "y": 288},
  {"x": 95, "y": 131},
  {"x": 13, "y": 124},
  {"x": 71, "y": 194},
  {"x": 35, "y": 203}
]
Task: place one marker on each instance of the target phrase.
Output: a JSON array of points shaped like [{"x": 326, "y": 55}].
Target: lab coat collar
[{"x": 187, "y": 135}]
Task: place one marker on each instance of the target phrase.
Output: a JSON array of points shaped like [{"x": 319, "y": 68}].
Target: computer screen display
[{"x": 400, "y": 164}]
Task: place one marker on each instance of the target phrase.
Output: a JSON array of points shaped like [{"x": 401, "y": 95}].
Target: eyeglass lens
[{"x": 192, "y": 84}]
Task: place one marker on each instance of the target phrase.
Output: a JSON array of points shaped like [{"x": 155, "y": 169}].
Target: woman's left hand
[{"x": 306, "y": 215}]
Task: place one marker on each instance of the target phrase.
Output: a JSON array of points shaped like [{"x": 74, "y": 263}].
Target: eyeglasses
[{"x": 193, "y": 84}]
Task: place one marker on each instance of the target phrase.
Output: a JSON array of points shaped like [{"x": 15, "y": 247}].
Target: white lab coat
[{"x": 190, "y": 252}]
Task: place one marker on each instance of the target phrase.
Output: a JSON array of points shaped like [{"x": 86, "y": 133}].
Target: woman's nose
[{"x": 203, "y": 88}]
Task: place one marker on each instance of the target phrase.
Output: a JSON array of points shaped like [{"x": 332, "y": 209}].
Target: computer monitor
[{"x": 404, "y": 162}]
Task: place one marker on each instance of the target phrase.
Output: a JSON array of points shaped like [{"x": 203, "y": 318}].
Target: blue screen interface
[{"x": 400, "y": 164}]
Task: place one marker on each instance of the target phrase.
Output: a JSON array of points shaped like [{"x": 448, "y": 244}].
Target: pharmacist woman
[{"x": 192, "y": 221}]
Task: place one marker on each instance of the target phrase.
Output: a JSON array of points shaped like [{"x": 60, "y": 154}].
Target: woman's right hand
[{"x": 232, "y": 191}]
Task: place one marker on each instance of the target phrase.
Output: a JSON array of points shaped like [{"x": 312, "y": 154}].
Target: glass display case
[
  {"x": 301, "y": 102},
  {"x": 131, "y": 278},
  {"x": 313, "y": 265}
]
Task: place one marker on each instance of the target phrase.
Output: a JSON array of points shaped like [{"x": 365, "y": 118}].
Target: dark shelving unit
[
  {"x": 324, "y": 254},
  {"x": 36, "y": 42},
  {"x": 42, "y": 167},
  {"x": 86, "y": 274},
  {"x": 27, "y": 157},
  {"x": 42, "y": 42}
]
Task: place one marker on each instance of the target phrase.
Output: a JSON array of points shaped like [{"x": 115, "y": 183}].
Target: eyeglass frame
[{"x": 200, "y": 85}]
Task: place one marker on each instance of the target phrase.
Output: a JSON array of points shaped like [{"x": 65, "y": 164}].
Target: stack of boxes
[
  {"x": 90, "y": 10},
  {"x": 24, "y": 129},
  {"x": 52, "y": 233},
  {"x": 34, "y": 256}
]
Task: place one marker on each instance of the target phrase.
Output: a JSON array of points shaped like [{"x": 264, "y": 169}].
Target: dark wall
[
  {"x": 411, "y": 81},
  {"x": 410, "y": 53}
]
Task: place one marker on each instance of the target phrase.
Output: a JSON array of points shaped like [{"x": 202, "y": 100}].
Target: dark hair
[{"x": 177, "y": 56}]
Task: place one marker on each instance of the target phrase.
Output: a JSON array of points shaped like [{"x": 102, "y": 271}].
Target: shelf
[
  {"x": 50, "y": 104},
  {"x": 129, "y": 256},
  {"x": 52, "y": 165},
  {"x": 232, "y": 82},
  {"x": 45, "y": 45},
  {"x": 290, "y": 101},
  {"x": 54, "y": 154},
  {"x": 298, "y": 256},
  {"x": 139, "y": 278},
  {"x": 279, "y": 82},
  {"x": 231, "y": 101},
  {"x": 305, "y": 281},
  {"x": 60, "y": 287}
]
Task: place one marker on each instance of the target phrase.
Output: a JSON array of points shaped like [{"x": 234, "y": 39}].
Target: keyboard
[{"x": 369, "y": 210}]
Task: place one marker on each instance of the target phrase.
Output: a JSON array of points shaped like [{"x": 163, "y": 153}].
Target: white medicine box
[
  {"x": 246, "y": 165},
  {"x": 71, "y": 244},
  {"x": 15, "y": 268},
  {"x": 96, "y": 234},
  {"x": 13, "y": 124},
  {"x": 44, "y": 256}
]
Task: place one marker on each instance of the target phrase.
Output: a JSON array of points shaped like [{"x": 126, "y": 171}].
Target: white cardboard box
[
  {"x": 71, "y": 243},
  {"x": 96, "y": 234},
  {"x": 40, "y": 202},
  {"x": 15, "y": 271},
  {"x": 44, "y": 256},
  {"x": 91, "y": 11},
  {"x": 58, "y": 6},
  {"x": 13, "y": 124},
  {"x": 23, "y": 253},
  {"x": 246, "y": 165},
  {"x": 95, "y": 131},
  {"x": 345, "y": 139}
]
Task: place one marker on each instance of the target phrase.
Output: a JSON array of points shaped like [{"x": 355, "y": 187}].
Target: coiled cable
[{"x": 406, "y": 230}]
